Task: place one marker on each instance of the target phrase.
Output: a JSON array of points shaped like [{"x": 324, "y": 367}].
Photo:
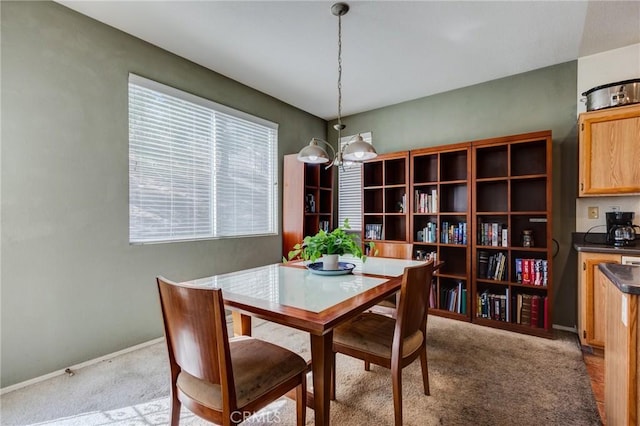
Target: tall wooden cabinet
[
  {"x": 385, "y": 185},
  {"x": 512, "y": 241},
  {"x": 609, "y": 148},
  {"x": 440, "y": 222},
  {"x": 307, "y": 203}
]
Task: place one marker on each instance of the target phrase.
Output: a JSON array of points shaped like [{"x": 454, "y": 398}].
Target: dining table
[{"x": 311, "y": 300}]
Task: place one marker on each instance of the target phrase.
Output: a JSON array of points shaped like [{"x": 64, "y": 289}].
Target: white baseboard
[{"x": 78, "y": 366}]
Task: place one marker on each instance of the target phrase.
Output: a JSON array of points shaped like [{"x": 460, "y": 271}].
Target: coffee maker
[{"x": 620, "y": 229}]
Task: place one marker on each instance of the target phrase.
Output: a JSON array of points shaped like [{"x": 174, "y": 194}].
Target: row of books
[
  {"x": 493, "y": 306},
  {"x": 524, "y": 309},
  {"x": 373, "y": 231},
  {"x": 453, "y": 233},
  {"x": 492, "y": 267},
  {"x": 532, "y": 271},
  {"x": 532, "y": 310},
  {"x": 426, "y": 202},
  {"x": 428, "y": 234},
  {"x": 453, "y": 299},
  {"x": 493, "y": 234}
]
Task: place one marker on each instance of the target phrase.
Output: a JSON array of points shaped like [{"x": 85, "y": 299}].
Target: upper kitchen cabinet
[{"x": 609, "y": 151}]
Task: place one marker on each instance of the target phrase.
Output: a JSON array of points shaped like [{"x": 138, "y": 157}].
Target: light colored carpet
[{"x": 478, "y": 375}]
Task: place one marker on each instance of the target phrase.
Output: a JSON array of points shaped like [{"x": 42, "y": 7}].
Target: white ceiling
[{"x": 393, "y": 51}]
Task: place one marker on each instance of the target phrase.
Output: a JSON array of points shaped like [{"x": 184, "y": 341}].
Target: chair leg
[
  {"x": 396, "y": 381},
  {"x": 301, "y": 401},
  {"x": 367, "y": 366},
  {"x": 332, "y": 390},
  {"x": 425, "y": 371},
  {"x": 175, "y": 407}
]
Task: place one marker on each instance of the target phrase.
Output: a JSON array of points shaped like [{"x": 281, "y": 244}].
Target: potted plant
[{"x": 329, "y": 245}]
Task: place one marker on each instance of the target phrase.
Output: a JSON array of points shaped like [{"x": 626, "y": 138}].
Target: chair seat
[
  {"x": 373, "y": 334},
  {"x": 251, "y": 358}
]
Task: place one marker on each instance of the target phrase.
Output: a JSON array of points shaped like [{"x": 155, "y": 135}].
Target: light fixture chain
[{"x": 339, "y": 69}]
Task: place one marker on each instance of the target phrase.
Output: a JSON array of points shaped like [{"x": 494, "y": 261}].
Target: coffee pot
[{"x": 624, "y": 235}]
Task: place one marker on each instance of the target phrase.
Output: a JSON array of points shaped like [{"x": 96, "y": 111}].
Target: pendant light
[{"x": 357, "y": 150}]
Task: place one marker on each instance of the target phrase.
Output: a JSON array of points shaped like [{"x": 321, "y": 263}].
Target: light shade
[
  {"x": 313, "y": 153},
  {"x": 359, "y": 150}
]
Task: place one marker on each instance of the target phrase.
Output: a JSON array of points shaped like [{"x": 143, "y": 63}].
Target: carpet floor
[{"x": 478, "y": 375}]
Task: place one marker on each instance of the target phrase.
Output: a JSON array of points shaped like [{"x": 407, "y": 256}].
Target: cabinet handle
[
  {"x": 581, "y": 186},
  {"x": 582, "y": 127},
  {"x": 584, "y": 266}
]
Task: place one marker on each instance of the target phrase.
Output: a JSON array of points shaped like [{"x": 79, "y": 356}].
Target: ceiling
[{"x": 393, "y": 51}]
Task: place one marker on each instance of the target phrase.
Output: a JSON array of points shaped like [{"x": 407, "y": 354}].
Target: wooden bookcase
[
  {"x": 385, "y": 207},
  {"x": 512, "y": 190},
  {"x": 440, "y": 198},
  {"x": 307, "y": 200}
]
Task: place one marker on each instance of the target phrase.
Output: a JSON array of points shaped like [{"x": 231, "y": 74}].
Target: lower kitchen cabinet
[{"x": 592, "y": 296}]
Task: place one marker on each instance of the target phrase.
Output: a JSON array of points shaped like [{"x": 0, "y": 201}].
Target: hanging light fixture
[{"x": 357, "y": 150}]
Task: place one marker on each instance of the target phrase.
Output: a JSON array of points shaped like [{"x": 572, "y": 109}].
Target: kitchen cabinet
[
  {"x": 592, "y": 298},
  {"x": 609, "y": 148}
]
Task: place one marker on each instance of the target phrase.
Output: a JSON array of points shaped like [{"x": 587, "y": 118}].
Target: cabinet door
[
  {"x": 609, "y": 152},
  {"x": 592, "y": 298}
]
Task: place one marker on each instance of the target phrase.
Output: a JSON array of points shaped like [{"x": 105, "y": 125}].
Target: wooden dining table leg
[
  {"x": 241, "y": 324},
  {"x": 321, "y": 359}
]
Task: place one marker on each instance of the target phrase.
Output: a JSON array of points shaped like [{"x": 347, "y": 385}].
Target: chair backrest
[
  {"x": 196, "y": 332},
  {"x": 395, "y": 250},
  {"x": 414, "y": 300}
]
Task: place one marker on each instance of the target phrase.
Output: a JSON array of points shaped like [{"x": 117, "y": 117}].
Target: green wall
[
  {"x": 73, "y": 289},
  {"x": 538, "y": 100}
]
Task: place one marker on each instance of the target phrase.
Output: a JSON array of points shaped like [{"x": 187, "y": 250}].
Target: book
[
  {"x": 535, "y": 311},
  {"x": 525, "y": 313},
  {"x": 483, "y": 263}
]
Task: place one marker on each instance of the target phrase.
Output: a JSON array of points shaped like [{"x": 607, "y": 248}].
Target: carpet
[{"x": 478, "y": 375}]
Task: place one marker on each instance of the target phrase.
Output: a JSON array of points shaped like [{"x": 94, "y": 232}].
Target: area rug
[{"x": 478, "y": 375}]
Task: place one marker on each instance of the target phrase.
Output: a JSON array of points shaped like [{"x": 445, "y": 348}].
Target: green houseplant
[{"x": 337, "y": 242}]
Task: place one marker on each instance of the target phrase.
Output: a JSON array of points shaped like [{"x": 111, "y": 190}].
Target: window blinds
[
  {"x": 197, "y": 169},
  {"x": 350, "y": 189}
]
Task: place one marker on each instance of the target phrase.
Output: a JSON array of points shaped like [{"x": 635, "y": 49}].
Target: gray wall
[
  {"x": 72, "y": 287},
  {"x": 538, "y": 100}
]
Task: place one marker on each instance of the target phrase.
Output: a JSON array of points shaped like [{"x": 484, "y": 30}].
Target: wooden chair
[
  {"x": 390, "y": 343},
  {"x": 219, "y": 379},
  {"x": 397, "y": 251}
]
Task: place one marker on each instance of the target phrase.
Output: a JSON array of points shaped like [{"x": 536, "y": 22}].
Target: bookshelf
[
  {"x": 512, "y": 241},
  {"x": 439, "y": 223},
  {"x": 307, "y": 200},
  {"x": 385, "y": 183}
]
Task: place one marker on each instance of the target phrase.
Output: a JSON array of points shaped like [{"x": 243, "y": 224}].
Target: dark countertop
[
  {"x": 595, "y": 243},
  {"x": 625, "y": 277}
]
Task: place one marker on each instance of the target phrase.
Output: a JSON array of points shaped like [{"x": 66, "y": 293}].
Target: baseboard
[
  {"x": 78, "y": 366},
  {"x": 565, "y": 328}
]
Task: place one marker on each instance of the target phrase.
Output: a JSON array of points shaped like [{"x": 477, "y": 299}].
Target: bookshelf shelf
[
  {"x": 439, "y": 222},
  {"x": 307, "y": 201},
  {"x": 469, "y": 201},
  {"x": 385, "y": 205},
  {"x": 512, "y": 192}
]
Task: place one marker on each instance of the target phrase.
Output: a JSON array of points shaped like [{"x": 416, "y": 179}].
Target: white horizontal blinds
[
  {"x": 244, "y": 177},
  {"x": 350, "y": 188},
  {"x": 197, "y": 169}
]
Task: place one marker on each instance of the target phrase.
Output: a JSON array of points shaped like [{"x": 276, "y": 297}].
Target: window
[
  {"x": 350, "y": 189},
  {"x": 197, "y": 169}
]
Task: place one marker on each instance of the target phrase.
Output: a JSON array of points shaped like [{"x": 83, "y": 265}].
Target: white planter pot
[{"x": 330, "y": 262}]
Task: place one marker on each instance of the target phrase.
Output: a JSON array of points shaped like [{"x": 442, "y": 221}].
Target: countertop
[
  {"x": 625, "y": 277},
  {"x": 594, "y": 243}
]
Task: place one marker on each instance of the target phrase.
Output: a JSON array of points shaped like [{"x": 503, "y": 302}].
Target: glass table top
[{"x": 290, "y": 286}]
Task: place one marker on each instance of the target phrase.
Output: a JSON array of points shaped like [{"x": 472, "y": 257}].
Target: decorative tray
[{"x": 344, "y": 268}]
